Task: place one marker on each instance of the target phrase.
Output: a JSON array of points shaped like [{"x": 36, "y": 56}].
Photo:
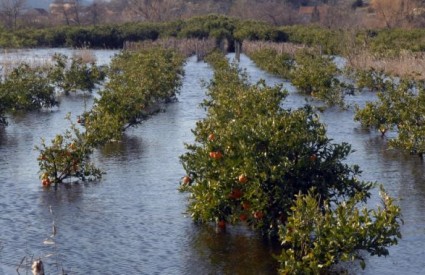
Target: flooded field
[{"x": 133, "y": 221}]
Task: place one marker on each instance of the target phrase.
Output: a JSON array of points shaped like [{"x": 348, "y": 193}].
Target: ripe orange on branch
[
  {"x": 211, "y": 137},
  {"x": 186, "y": 180},
  {"x": 236, "y": 193},
  {"x": 216, "y": 155},
  {"x": 243, "y": 179}
]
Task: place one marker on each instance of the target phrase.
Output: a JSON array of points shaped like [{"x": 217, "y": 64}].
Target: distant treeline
[
  {"x": 114, "y": 36},
  {"x": 219, "y": 27}
]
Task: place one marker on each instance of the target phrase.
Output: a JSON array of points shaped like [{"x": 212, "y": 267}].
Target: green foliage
[
  {"x": 328, "y": 41},
  {"x": 256, "y": 163},
  {"x": 271, "y": 61},
  {"x": 25, "y": 89},
  {"x": 139, "y": 82},
  {"x": 316, "y": 75},
  {"x": 279, "y": 153},
  {"x": 208, "y": 26},
  {"x": 78, "y": 75},
  {"x": 319, "y": 234},
  {"x": 399, "y": 107},
  {"x": 393, "y": 42},
  {"x": 254, "y": 30},
  {"x": 67, "y": 157},
  {"x": 370, "y": 79},
  {"x": 114, "y": 35},
  {"x": 383, "y": 114},
  {"x": 29, "y": 88}
]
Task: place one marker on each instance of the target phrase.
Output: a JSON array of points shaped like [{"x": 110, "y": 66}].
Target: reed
[
  {"x": 250, "y": 47},
  {"x": 86, "y": 55},
  {"x": 406, "y": 65},
  {"x": 9, "y": 60},
  {"x": 186, "y": 47}
]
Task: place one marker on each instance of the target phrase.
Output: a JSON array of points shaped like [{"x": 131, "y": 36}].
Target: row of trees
[
  {"x": 30, "y": 88},
  {"x": 114, "y": 36},
  {"x": 398, "y": 109},
  {"x": 348, "y": 43},
  {"x": 310, "y": 72},
  {"x": 138, "y": 83},
  {"x": 276, "y": 171}
]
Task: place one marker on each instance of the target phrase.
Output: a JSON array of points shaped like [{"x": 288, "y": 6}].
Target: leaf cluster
[
  {"x": 25, "y": 89},
  {"x": 74, "y": 74},
  {"x": 400, "y": 107},
  {"x": 138, "y": 83},
  {"x": 315, "y": 237},
  {"x": 310, "y": 72},
  {"x": 68, "y": 156}
]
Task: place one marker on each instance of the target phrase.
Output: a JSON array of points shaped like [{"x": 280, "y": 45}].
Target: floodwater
[{"x": 133, "y": 221}]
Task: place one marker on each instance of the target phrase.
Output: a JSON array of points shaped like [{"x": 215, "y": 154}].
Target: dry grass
[
  {"x": 87, "y": 55},
  {"x": 10, "y": 60},
  {"x": 406, "y": 65},
  {"x": 186, "y": 47},
  {"x": 249, "y": 47}
]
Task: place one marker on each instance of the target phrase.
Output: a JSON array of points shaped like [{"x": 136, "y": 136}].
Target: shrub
[
  {"x": 279, "y": 152},
  {"x": 316, "y": 75},
  {"x": 271, "y": 61},
  {"x": 399, "y": 107},
  {"x": 139, "y": 81},
  {"x": 74, "y": 74},
  {"x": 319, "y": 235},
  {"x": 25, "y": 89},
  {"x": 67, "y": 157}
]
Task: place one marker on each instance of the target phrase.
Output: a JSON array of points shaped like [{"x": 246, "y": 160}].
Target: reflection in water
[
  {"x": 124, "y": 149},
  {"x": 237, "y": 251}
]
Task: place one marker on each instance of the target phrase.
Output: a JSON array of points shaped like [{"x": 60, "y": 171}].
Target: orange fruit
[{"x": 243, "y": 179}]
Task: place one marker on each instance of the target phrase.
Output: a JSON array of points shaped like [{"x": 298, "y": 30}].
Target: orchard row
[
  {"x": 400, "y": 106},
  {"x": 26, "y": 87},
  {"x": 139, "y": 82},
  {"x": 276, "y": 171}
]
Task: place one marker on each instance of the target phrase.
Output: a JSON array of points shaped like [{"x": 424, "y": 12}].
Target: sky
[{"x": 42, "y": 3}]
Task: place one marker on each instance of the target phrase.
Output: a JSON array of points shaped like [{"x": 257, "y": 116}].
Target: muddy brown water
[{"x": 133, "y": 221}]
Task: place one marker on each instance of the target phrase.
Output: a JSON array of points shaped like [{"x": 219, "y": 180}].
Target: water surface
[{"x": 133, "y": 221}]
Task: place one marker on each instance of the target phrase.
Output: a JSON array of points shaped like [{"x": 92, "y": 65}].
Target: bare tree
[
  {"x": 76, "y": 5},
  {"x": 394, "y": 13},
  {"x": 155, "y": 10},
  {"x": 277, "y": 12},
  {"x": 11, "y": 9},
  {"x": 70, "y": 11}
]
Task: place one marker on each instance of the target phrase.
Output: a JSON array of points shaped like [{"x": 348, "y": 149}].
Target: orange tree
[
  {"x": 251, "y": 159},
  {"x": 272, "y": 61},
  {"x": 138, "y": 82},
  {"x": 28, "y": 88},
  {"x": 25, "y": 89},
  {"x": 71, "y": 75},
  {"x": 67, "y": 157},
  {"x": 316, "y": 75},
  {"x": 400, "y": 107},
  {"x": 310, "y": 72},
  {"x": 317, "y": 237}
]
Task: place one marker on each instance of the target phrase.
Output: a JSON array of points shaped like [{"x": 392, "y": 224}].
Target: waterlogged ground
[{"x": 133, "y": 221}]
